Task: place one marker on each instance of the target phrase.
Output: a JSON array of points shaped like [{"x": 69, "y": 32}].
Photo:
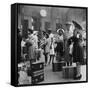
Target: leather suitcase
[
  {"x": 37, "y": 66},
  {"x": 57, "y": 66},
  {"x": 37, "y": 78},
  {"x": 37, "y": 75},
  {"x": 69, "y": 72}
]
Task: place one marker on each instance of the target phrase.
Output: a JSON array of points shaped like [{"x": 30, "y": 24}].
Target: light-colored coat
[{"x": 47, "y": 47}]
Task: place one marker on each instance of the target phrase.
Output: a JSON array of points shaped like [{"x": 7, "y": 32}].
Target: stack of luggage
[{"x": 37, "y": 70}]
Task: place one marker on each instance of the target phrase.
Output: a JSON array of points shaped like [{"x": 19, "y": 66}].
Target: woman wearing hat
[
  {"x": 30, "y": 46},
  {"x": 46, "y": 48},
  {"x": 77, "y": 52},
  {"x": 60, "y": 44}
]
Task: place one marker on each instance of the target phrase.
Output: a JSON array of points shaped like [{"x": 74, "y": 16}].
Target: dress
[
  {"x": 60, "y": 45},
  {"x": 52, "y": 49},
  {"x": 77, "y": 50},
  {"x": 47, "y": 45}
]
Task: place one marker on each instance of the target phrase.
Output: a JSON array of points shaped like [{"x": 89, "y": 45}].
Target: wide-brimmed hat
[
  {"x": 77, "y": 25},
  {"x": 68, "y": 23},
  {"x": 60, "y": 29}
]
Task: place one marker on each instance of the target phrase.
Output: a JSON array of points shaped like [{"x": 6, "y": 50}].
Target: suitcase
[
  {"x": 37, "y": 79},
  {"x": 70, "y": 72},
  {"x": 37, "y": 75},
  {"x": 57, "y": 66},
  {"x": 37, "y": 66}
]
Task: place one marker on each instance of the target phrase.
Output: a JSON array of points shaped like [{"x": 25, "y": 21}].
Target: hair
[
  {"x": 30, "y": 30},
  {"x": 49, "y": 31}
]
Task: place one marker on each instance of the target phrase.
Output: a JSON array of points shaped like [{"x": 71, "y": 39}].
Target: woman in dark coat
[
  {"x": 77, "y": 49},
  {"x": 77, "y": 53}
]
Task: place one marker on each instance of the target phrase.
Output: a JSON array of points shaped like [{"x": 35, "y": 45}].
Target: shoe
[{"x": 78, "y": 78}]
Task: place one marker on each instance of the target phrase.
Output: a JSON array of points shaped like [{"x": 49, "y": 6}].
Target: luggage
[
  {"x": 37, "y": 79},
  {"x": 70, "y": 72},
  {"x": 57, "y": 66},
  {"x": 37, "y": 66},
  {"x": 37, "y": 72}
]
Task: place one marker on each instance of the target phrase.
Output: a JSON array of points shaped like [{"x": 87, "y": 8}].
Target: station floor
[{"x": 56, "y": 77}]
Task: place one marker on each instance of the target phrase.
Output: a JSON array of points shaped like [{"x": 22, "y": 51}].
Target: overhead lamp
[{"x": 43, "y": 13}]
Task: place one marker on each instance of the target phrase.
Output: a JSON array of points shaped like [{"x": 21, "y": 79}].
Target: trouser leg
[
  {"x": 50, "y": 59},
  {"x": 70, "y": 59},
  {"x": 45, "y": 58}
]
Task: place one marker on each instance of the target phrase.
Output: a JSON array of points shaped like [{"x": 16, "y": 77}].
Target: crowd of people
[{"x": 63, "y": 45}]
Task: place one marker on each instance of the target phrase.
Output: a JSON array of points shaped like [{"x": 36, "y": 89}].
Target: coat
[
  {"x": 31, "y": 49},
  {"x": 47, "y": 46},
  {"x": 77, "y": 49}
]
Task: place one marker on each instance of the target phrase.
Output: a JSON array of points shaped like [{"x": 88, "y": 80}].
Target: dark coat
[
  {"x": 77, "y": 49},
  {"x": 59, "y": 48}
]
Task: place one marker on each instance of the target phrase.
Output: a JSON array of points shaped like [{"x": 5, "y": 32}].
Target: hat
[
  {"x": 77, "y": 25},
  {"x": 68, "y": 23},
  {"x": 60, "y": 29}
]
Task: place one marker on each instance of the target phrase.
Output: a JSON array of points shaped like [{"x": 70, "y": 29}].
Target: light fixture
[{"x": 43, "y": 13}]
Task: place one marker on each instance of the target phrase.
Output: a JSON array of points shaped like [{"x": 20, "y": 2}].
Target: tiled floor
[
  {"x": 53, "y": 77},
  {"x": 57, "y": 77}
]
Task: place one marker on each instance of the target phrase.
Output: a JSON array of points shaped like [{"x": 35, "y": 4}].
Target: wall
[{"x": 64, "y": 15}]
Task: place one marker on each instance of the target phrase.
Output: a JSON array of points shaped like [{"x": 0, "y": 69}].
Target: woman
[
  {"x": 52, "y": 52},
  {"x": 68, "y": 48},
  {"x": 77, "y": 53},
  {"x": 46, "y": 48},
  {"x": 31, "y": 48},
  {"x": 60, "y": 45}
]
